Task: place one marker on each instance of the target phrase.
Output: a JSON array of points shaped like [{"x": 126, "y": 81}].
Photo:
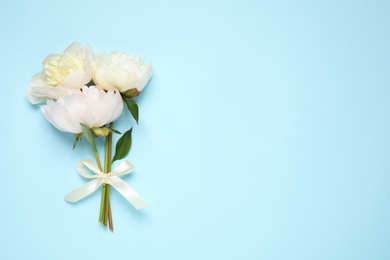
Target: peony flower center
[{"x": 60, "y": 66}]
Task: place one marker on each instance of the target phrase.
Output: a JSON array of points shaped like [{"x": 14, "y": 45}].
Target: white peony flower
[
  {"x": 92, "y": 107},
  {"x": 64, "y": 74},
  {"x": 122, "y": 71}
]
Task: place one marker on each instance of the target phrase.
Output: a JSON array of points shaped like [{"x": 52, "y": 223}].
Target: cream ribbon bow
[{"x": 110, "y": 178}]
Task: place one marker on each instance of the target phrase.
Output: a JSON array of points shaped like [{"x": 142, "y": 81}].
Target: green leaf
[
  {"x": 123, "y": 145},
  {"x": 75, "y": 142},
  {"x": 88, "y": 134},
  {"x": 91, "y": 83},
  {"x": 131, "y": 106},
  {"x": 114, "y": 131},
  {"x": 78, "y": 135}
]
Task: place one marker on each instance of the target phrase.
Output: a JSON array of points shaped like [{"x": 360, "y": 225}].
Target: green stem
[
  {"x": 110, "y": 218},
  {"x": 97, "y": 158},
  {"x": 107, "y": 206},
  {"x": 103, "y": 200},
  {"x": 102, "y": 203},
  {"x": 108, "y": 167},
  {"x": 105, "y": 209},
  {"x": 104, "y": 188}
]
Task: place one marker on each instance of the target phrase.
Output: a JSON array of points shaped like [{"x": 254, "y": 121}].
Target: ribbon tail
[
  {"x": 83, "y": 191},
  {"x": 123, "y": 188}
]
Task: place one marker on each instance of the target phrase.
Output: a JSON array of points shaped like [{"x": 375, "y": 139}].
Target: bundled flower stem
[{"x": 105, "y": 209}]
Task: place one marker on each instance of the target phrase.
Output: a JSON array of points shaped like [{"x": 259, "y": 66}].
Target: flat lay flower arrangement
[{"x": 85, "y": 93}]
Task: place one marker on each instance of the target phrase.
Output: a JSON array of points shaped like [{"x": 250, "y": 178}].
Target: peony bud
[
  {"x": 101, "y": 131},
  {"x": 131, "y": 93}
]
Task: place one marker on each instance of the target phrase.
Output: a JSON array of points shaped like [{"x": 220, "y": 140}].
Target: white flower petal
[
  {"x": 37, "y": 90},
  {"x": 46, "y": 110},
  {"x": 77, "y": 48},
  {"x": 102, "y": 108},
  {"x": 118, "y": 107},
  {"x": 78, "y": 108},
  {"x": 113, "y": 107},
  {"x": 61, "y": 118},
  {"x": 100, "y": 79},
  {"x": 36, "y": 95},
  {"x": 57, "y": 92},
  {"x": 48, "y": 58},
  {"x": 74, "y": 80},
  {"x": 88, "y": 67},
  {"x": 146, "y": 74},
  {"x": 88, "y": 53},
  {"x": 121, "y": 79},
  {"x": 99, "y": 59}
]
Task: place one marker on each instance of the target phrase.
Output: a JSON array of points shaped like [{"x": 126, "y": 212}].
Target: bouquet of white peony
[{"x": 84, "y": 94}]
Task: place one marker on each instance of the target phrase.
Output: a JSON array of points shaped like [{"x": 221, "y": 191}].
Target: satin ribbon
[{"x": 110, "y": 178}]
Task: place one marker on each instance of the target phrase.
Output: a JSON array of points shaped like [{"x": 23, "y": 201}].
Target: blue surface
[{"x": 264, "y": 132}]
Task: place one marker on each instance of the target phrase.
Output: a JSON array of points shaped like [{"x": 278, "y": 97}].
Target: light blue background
[{"x": 264, "y": 132}]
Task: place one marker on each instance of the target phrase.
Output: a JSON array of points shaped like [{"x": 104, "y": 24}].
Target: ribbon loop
[{"x": 110, "y": 178}]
